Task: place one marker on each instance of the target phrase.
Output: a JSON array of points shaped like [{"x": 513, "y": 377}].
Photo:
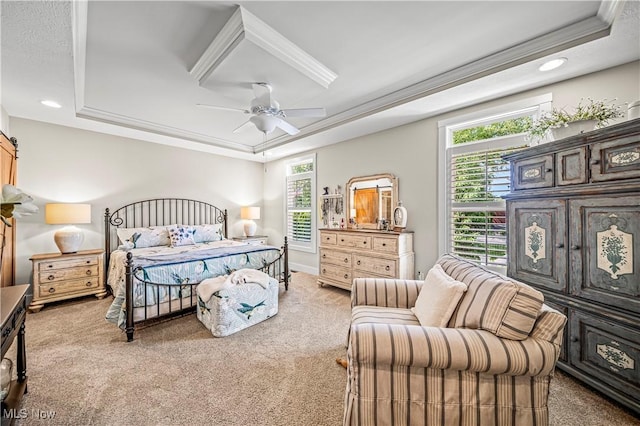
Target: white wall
[
  {"x": 4, "y": 121},
  {"x": 411, "y": 153},
  {"x": 62, "y": 164}
]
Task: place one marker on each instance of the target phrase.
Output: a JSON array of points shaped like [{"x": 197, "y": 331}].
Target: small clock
[{"x": 399, "y": 217}]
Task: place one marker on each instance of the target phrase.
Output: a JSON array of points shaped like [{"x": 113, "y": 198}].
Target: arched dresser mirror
[{"x": 370, "y": 199}]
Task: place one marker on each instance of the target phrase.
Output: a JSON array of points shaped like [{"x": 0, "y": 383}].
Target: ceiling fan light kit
[{"x": 266, "y": 112}]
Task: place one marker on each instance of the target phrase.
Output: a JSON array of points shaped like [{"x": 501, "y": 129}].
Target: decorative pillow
[
  {"x": 205, "y": 233},
  {"x": 438, "y": 298},
  {"x": 144, "y": 237},
  {"x": 493, "y": 302},
  {"x": 181, "y": 235}
]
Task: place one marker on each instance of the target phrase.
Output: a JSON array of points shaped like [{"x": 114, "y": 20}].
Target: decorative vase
[
  {"x": 574, "y": 128},
  {"x": 399, "y": 217}
]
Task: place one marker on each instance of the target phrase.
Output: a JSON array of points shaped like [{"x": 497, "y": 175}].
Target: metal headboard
[{"x": 158, "y": 212}]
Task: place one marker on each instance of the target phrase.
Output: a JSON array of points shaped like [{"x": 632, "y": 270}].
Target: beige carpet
[{"x": 279, "y": 372}]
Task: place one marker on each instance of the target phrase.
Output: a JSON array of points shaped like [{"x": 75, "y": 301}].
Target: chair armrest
[
  {"x": 449, "y": 348},
  {"x": 385, "y": 292}
]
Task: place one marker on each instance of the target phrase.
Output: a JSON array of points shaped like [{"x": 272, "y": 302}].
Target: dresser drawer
[
  {"x": 336, "y": 273},
  {"x": 382, "y": 267},
  {"x": 385, "y": 245},
  {"x": 57, "y": 275},
  {"x": 354, "y": 241},
  {"x": 534, "y": 172},
  {"x": 69, "y": 263},
  {"x": 615, "y": 160},
  {"x": 335, "y": 257},
  {"x": 67, "y": 287},
  {"x": 328, "y": 238}
]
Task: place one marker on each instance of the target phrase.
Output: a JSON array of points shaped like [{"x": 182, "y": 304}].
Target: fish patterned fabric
[
  {"x": 238, "y": 307},
  {"x": 179, "y": 267}
]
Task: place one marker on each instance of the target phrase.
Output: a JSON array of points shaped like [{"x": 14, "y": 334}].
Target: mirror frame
[{"x": 394, "y": 197}]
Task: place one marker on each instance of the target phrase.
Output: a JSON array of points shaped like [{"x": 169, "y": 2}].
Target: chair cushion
[
  {"x": 366, "y": 314},
  {"x": 438, "y": 298},
  {"x": 493, "y": 302}
]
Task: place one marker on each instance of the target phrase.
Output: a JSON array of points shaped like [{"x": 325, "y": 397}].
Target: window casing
[
  {"x": 472, "y": 213},
  {"x": 300, "y": 203}
]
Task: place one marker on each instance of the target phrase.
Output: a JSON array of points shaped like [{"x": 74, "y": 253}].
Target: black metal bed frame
[{"x": 166, "y": 211}]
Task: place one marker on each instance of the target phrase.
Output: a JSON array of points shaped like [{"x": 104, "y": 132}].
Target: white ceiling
[{"x": 123, "y": 67}]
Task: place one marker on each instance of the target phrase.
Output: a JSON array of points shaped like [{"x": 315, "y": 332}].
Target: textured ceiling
[{"x": 123, "y": 67}]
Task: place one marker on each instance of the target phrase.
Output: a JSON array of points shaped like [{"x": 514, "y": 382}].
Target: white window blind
[
  {"x": 300, "y": 203},
  {"x": 477, "y": 211}
]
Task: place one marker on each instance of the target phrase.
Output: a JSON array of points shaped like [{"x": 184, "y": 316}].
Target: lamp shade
[
  {"x": 67, "y": 214},
  {"x": 250, "y": 213},
  {"x": 70, "y": 238}
]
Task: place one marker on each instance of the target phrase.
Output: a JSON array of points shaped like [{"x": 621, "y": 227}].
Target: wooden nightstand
[
  {"x": 59, "y": 276},
  {"x": 256, "y": 239}
]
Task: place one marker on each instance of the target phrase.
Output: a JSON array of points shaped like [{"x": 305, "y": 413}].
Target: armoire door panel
[
  {"x": 605, "y": 250},
  {"x": 537, "y": 243}
]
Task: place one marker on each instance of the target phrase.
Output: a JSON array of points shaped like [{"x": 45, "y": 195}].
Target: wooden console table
[{"x": 14, "y": 311}]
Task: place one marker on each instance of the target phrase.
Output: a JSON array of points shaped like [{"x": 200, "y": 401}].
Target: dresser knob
[
  {"x": 51, "y": 277},
  {"x": 548, "y": 170},
  {"x": 88, "y": 284},
  {"x": 358, "y": 262},
  {"x": 346, "y": 276},
  {"x": 387, "y": 268},
  {"x": 324, "y": 256},
  {"x": 574, "y": 339},
  {"x": 346, "y": 260},
  {"x": 88, "y": 261},
  {"x": 52, "y": 290},
  {"x": 49, "y": 266},
  {"x": 342, "y": 240},
  {"x": 595, "y": 162},
  {"x": 364, "y": 242},
  {"x": 384, "y": 244},
  {"x": 88, "y": 272},
  {"x": 324, "y": 271},
  {"x": 560, "y": 245},
  {"x": 575, "y": 247}
]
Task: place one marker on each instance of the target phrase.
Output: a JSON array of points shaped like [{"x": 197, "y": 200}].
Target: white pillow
[
  {"x": 206, "y": 233},
  {"x": 181, "y": 236},
  {"x": 438, "y": 298},
  {"x": 144, "y": 237}
]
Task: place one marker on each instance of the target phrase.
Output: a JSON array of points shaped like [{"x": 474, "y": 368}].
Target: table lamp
[
  {"x": 248, "y": 214},
  {"x": 68, "y": 239}
]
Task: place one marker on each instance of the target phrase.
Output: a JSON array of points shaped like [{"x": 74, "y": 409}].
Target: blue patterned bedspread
[{"x": 178, "y": 267}]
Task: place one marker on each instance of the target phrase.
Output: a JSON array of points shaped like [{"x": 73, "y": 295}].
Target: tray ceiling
[{"x": 139, "y": 69}]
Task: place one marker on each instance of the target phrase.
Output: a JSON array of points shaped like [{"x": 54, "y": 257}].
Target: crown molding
[
  {"x": 160, "y": 129},
  {"x": 242, "y": 26},
  {"x": 564, "y": 38}
]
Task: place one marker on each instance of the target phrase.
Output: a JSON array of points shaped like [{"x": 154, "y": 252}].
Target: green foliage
[
  {"x": 493, "y": 130},
  {"x": 600, "y": 111}
]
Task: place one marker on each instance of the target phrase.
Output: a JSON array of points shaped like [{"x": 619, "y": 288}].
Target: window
[
  {"x": 300, "y": 203},
  {"x": 473, "y": 216}
]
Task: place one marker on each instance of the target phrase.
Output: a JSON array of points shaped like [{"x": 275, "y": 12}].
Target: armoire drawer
[
  {"x": 607, "y": 350},
  {"x": 532, "y": 173}
]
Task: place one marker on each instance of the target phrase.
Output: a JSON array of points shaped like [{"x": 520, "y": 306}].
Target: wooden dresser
[
  {"x": 574, "y": 233},
  {"x": 349, "y": 254},
  {"x": 59, "y": 276}
]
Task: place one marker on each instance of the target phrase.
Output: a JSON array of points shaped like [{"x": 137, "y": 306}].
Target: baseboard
[{"x": 295, "y": 267}]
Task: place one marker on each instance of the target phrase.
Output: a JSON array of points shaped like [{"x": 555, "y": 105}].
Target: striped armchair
[{"x": 491, "y": 366}]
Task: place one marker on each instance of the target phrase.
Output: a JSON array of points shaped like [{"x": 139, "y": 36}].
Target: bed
[{"x": 157, "y": 251}]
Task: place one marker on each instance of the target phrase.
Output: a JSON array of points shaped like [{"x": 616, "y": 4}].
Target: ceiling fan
[{"x": 266, "y": 112}]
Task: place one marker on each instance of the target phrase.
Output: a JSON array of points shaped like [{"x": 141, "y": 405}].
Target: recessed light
[
  {"x": 52, "y": 104},
  {"x": 552, "y": 64}
]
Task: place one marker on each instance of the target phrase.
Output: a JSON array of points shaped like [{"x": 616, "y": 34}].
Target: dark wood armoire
[{"x": 574, "y": 233}]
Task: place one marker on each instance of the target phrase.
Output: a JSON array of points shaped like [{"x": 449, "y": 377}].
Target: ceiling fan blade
[
  {"x": 283, "y": 125},
  {"x": 305, "y": 112},
  {"x": 243, "y": 126},
  {"x": 224, "y": 108},
  {"x": 262, "y": 92}
]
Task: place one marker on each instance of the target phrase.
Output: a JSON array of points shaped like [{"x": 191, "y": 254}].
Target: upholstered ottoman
[{"x": 237, "y": 307}]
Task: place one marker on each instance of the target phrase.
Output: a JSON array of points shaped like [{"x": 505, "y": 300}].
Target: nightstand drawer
[
  {"x": 56, "y": 275},
  {"x": 67, "y": 287},
  {"x": 70, "y": 263}
]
